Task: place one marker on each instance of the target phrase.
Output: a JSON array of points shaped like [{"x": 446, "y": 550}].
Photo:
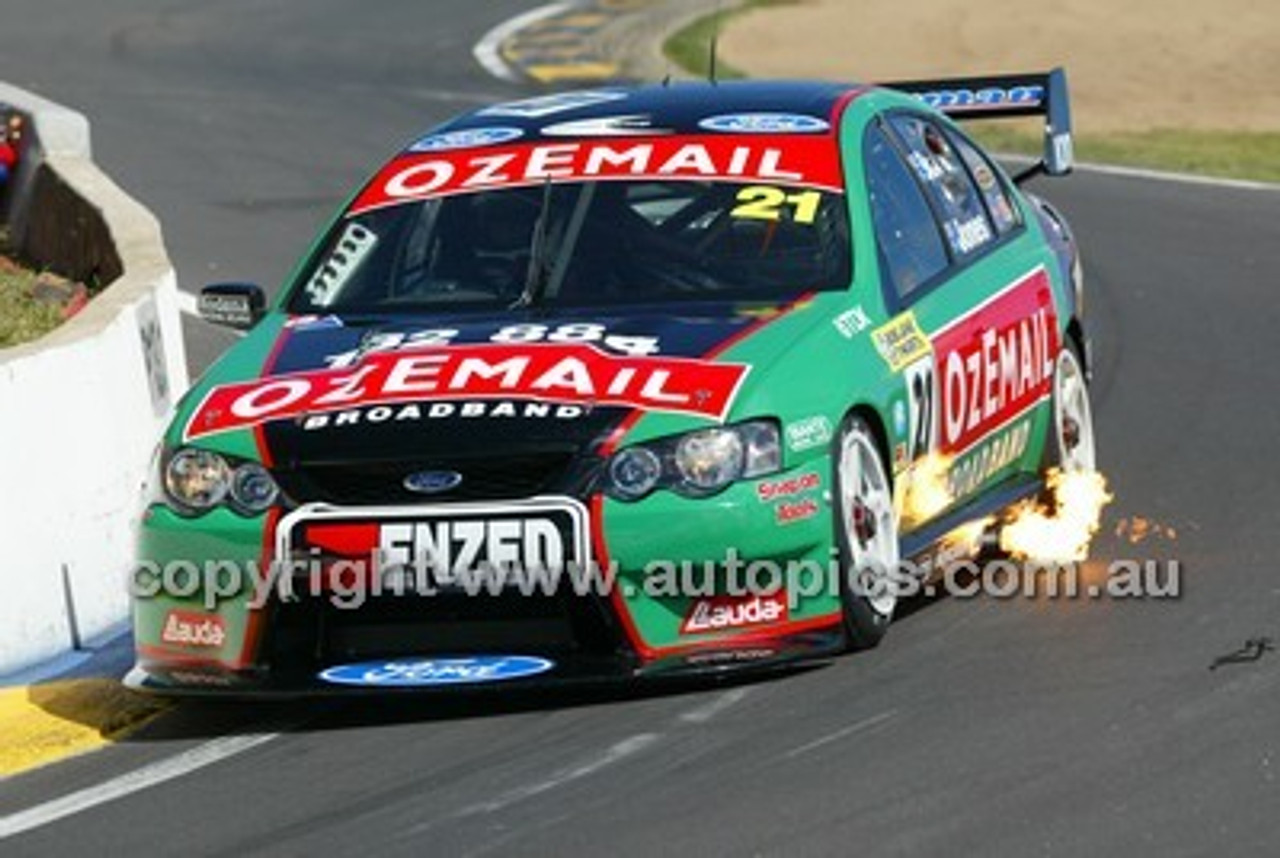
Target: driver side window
[{"x": 910, "y": 247}]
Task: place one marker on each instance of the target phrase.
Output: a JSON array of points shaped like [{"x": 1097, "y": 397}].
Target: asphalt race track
[{"x": 981, "y": 727}]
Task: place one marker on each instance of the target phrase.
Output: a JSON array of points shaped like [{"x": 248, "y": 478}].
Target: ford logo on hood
[{"x": 432, "y": 482}]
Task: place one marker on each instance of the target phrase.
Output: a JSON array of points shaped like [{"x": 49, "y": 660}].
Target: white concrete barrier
[{"x": 81, "y": 408}]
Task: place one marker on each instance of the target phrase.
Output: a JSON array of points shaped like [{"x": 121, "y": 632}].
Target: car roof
[{"x": 679, "y": 107}]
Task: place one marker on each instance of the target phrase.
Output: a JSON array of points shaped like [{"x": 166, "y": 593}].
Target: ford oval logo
[
  {"x": 423, "y": 672},
  {"x": 432, "y": 482},
  {"x": 765, "y": 123}
]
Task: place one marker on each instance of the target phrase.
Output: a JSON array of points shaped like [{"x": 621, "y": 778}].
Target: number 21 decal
[{"x": 764, "y": 202}]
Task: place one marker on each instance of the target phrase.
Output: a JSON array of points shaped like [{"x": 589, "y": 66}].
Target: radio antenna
[{"x": 711, "y": 60}]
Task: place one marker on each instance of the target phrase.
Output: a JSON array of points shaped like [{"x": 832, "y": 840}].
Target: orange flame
[
  {"x": 966, "y": 540},
  {"x": 1034, "y": 532},
  {"x": 926, "y": 491},
  {"x": 1138, "y": 529}
]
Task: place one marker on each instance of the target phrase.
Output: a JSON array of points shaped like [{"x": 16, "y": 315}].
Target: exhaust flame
[
  {"x": 926, "y": 490},
  {"x": 967, "y": 539},
  {"x": 1034, "y": 532}
]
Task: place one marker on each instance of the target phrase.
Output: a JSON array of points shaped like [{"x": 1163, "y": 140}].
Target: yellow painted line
[
  {"x": 43, "y": 723},
  {"x": 551, "y": 56},
  {"x": 625, "y": 5},
  {"x": 528, "y": 54},
  {"x": 572, "y": 71},
  {"x": 558, "y": 37},
  {"x": 584, "y": 20}
]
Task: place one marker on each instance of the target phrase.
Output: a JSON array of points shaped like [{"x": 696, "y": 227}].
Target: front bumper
[{"x": 252, "y": 642}]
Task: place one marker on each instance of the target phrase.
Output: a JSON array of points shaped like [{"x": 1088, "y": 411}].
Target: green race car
[{"x": 622, "y": 382}]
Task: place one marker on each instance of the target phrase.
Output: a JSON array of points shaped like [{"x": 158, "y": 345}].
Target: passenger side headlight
[
  {"x": 196, "y": 481},
  {"x": 696, "y": 464}
]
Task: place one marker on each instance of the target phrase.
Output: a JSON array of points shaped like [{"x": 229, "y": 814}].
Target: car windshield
[{"x": 582, "y": 243}]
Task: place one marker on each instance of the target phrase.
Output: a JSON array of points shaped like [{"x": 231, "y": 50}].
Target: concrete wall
[{"x": 82, "y": 408}]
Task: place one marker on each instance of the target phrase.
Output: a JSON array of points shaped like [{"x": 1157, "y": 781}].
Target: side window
[
  {"x": 939, "y": 166},
  {"x": 911, "y": 249},
  {"x": 1001, "y": 208}
]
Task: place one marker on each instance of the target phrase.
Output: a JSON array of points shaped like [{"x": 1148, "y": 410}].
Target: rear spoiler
[{"x": 1000, "y": 96}]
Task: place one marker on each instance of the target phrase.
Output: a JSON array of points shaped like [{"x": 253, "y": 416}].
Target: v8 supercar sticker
[
  {"x": 900, "y": 341},
  {"x": 577, "y": 373}
]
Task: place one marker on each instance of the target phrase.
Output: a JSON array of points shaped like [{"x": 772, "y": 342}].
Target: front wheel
[
  {"x": 1073, "y": 443},
  {"x": 866, "y": 535}
]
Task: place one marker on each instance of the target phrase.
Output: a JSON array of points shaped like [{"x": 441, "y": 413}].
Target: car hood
[{"x": 377, "y": 389}]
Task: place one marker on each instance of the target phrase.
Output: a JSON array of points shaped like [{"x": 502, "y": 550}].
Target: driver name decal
[
  {"x": 758, "y": 159},
  {"x": 574, "y": 373}
]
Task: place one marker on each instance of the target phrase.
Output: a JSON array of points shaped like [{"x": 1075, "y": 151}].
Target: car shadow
[{"x": 210, "y": 717}]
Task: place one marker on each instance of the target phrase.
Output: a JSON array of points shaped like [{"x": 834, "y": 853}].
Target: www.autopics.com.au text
[{"x": 349, "y": 583}]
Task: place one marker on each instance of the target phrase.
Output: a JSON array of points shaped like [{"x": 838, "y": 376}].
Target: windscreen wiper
[{"x": 535, "y": 278}]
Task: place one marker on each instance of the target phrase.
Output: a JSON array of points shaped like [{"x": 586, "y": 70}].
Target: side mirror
[{"x": 232, "y": 305}]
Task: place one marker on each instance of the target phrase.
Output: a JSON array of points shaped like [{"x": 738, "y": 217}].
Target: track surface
[{"x": 980, "y": 727}]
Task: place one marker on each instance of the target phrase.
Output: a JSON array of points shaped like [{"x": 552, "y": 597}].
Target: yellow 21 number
[{"x": 763, "y": 202}]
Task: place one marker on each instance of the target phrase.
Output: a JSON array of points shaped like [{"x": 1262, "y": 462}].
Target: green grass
[
  {"x": 21, "y": 318},
  {"x": 1253, "y": 155},
  {"x": 690, "y": 48}
]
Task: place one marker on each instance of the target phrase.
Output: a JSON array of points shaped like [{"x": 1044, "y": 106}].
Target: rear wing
[{"x": 1000, "y": 96}]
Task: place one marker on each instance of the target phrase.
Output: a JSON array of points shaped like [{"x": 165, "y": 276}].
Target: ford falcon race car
[{"x": 623, "y": 382}]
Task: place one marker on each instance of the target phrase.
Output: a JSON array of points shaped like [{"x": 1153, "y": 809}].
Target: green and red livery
[{"x": 681, "y": 350}]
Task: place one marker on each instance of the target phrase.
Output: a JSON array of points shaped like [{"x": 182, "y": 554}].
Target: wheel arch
[{"x": 1077, "y": 339}]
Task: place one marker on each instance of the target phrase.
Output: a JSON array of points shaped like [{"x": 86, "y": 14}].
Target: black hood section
[{"x": 437, "y": 433}]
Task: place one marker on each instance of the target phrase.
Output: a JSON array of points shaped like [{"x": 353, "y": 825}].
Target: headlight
[
  {"x": 763, "y": 450},
  {"x": 196, "y": 481},
  {"x": 699, "y": 463},
  {"x": 634, "y": 472},
  {"x": 252, "y": 488},
  {"x": 710, "y": 460}
]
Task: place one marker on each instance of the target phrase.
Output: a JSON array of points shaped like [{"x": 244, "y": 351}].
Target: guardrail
[{"x": 82, "y": 407}]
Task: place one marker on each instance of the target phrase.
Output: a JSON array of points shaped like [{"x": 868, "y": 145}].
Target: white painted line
[
  {"x": 1178, "y": 178},
  {"x": 864, "y": 724},
  {"x": 148, "y": 776},
  {"x": 715, "y": 706},
  {"x": 488, "y": 51},
  {"x": 1152, "y": 175},
  {"x": 613, "y": 754}
]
